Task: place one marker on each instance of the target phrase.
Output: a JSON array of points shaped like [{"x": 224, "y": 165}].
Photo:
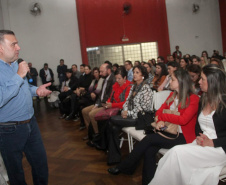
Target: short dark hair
[
  {"x": 5, "y": 32},
  {"x": 45, "y": 64},
  {"x": 138, "y": 62},
  {"x": 143, "y": 70},
  {"x": 69, "y": 71},
  {"x": 121, "y": 71},
  {"x": 108, "y": 66},
  {"x": 220, "y": 64},
  {"x": 115, "y": 65},
  {"x": 96, "y": 69},
  {"x": 161, "y": 58},
  {"x": 82, "y": 65},
  {"x": 194, "y": 69},
  {"x": 130, "y": 63},
  {"x": 61, "y": 60},
  {"x": 173, "y": 64},
  {"x": 197, "y": 58},
  {"x": 74, "y": 65},
  {"x": 108, "y": 62},
  {"x": 88, "y": 66}
]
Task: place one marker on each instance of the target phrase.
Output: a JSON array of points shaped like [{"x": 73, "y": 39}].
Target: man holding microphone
[{"x": 19, "y": 132}]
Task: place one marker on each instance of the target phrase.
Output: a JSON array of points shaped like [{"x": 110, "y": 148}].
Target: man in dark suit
[
  {"x": 61, "y": 70},
  {"x": 90, "y": 112},
  {"x": 47, "y": 75}
]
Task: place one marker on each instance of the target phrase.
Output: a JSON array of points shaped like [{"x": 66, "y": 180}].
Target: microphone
[{"x": 28, "y": 74}]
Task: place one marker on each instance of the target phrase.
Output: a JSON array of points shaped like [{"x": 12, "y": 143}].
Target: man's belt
[{"x": 15, "y": 122}]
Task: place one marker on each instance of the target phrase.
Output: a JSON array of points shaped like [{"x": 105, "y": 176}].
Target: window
[{"x": 119, "y": 53}]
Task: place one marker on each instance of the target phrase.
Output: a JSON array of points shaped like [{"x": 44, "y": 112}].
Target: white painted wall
[
  {"x": 48, "y": 37},
  {"x": 1, "y": 18},
  {"x": 194, "y": 32}
]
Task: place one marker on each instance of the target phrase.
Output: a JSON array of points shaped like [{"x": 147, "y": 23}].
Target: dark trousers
[
  {"x": 65, "y": 104},
  {"x": 79, "y": 103},
  {"x": 116, "y": 124},
  {"x": 18, "y": 139},
  {"x": 148, "y": 147}
]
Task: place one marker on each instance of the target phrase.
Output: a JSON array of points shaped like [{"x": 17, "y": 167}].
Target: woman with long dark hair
[
  {"x": 171, "y": 67},
  {"x": 183, "y": 99},
  {"x": 160, "y": 75},
  {"x": 201, "y": 161},
  {"x": 195, "y": 74}
]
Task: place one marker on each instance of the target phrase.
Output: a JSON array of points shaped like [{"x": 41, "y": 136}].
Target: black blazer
[
  {"x": 61, "y": 70},
  {"x": 219, "y": 120},
  {"x": 43, "y": 77},
  {"x": 85, "y": 81},
  {"x": 108, "y": 90},
  {"x": 73, "y": 84}
]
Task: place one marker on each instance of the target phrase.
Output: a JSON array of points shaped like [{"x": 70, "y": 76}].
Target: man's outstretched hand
[{"x": 42, "y": 91}]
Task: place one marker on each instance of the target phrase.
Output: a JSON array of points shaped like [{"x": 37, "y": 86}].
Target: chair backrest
[{"x": 160, "y": 98}]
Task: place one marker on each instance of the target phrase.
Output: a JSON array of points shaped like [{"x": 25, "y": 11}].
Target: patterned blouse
[{"x": 142, "y": 101}]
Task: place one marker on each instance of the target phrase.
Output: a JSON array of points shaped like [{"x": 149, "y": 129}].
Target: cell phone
[{"x": 163, "y": 128}]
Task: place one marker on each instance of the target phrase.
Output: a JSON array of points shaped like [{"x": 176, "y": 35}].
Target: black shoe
[
  {"x": 90, "y": 143},
  {"x": 114, "y": 171},
  {"x": 82, "y": 127},
  {"x": 62, "y": 116},
  {"x": 76, "y": 118},
  {"x": 70, "y": 117},
  {"x": 96, "y": 138},
  {"x": 85, "y": 138},
  {"x": 98, "y": 147}
]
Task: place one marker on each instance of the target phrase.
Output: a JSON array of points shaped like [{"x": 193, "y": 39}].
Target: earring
[{"x": 142, "y": 77}]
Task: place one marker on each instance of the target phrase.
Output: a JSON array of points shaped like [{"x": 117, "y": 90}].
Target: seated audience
[
  {"x": 217, "y": 62},
  {"x": 160, "y": 75},
  {"x": 150, "y": 74},
  {"x": 205, "y": 54},
  {"x": 115, "y": 67},
  {"x": 129, "y": 68},
  {"x": 90, "y": 111},
  {"x": 160, "y": 59},
  {"x": 68, "y": 86},
  {"x": 84, "y": 83},
  {"x": 139, "y": 99},
  {"x": 137, "y": 62},
  {"x": 119, "y": 94},
  {"x": 186, "y": 102},
  {"x": 201, "y": 161},
  {"x": 75, "y": 71},
  {"x": 196, "y": 60},
  {"x": 142, "y": 63},
  {"x": 184, "y": 63},
  {"x": 88, "y": 98},
  {"x": 171, "y": 66},
  {"x": 203, "y": 61},
  {"x": 195, "y": 74},
  {"x": 153, "y": 63}
]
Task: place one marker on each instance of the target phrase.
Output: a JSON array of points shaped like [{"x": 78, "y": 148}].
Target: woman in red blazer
[{"x": 186, "y": 102}]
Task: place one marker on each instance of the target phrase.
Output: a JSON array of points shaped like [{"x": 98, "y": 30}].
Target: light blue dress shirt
[
  {"x": 130, "y": 75},
  {"x": 16, "y": 102}
]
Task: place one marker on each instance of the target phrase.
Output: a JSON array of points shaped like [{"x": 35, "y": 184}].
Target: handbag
[
  {"x": 106, "y": 114},
  {"x": 144, "y": 119},
  {"x": 171, "y": 130}
]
